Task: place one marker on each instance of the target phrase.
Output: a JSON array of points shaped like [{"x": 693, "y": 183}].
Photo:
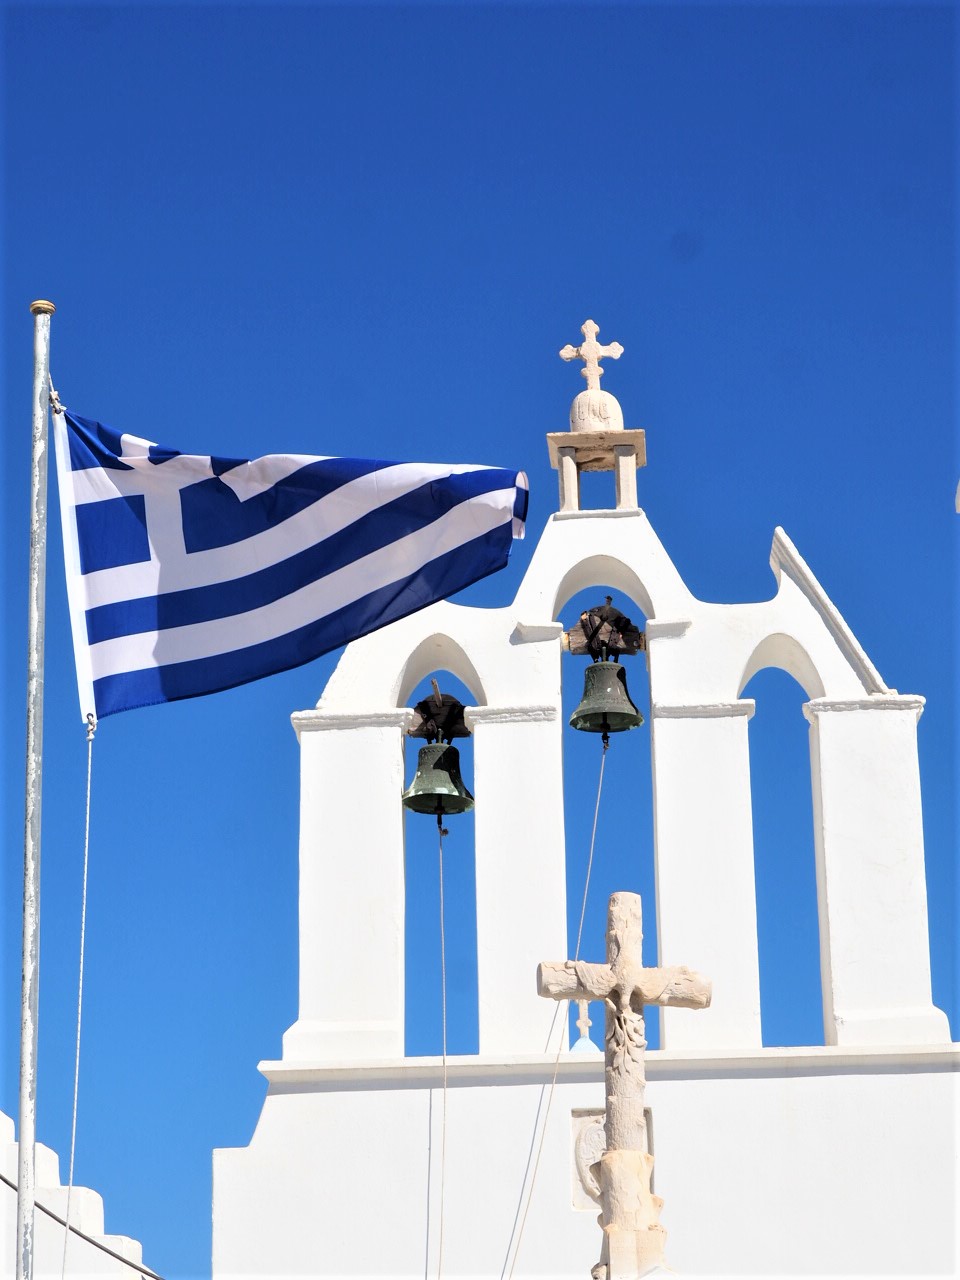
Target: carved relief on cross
[
  {"x": 632, "y": 1235},
  {"x": 591, "y": 352}
]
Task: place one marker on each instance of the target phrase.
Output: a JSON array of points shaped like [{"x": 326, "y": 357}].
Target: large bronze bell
[
  {"x": 605, "y": 706},
  {"x": 437, "y": 786}
]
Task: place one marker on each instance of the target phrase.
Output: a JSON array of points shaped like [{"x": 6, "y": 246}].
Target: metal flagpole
[{"x": 26, "y": 1176}]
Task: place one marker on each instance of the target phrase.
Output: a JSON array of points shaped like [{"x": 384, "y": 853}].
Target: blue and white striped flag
[{"x": 188, "y": 574}]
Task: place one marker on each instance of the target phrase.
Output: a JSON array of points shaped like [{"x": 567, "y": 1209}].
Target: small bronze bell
[
  {"x": 605, "y": 706},
  {"x": 437, "y": 786}
]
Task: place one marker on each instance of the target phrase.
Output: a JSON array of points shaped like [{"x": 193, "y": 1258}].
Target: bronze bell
[
  {"x": 437, "y": 786},
  {"x": 605, "y": 706}
]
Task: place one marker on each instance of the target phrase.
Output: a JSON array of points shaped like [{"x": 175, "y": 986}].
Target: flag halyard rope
[
  {"x": 563, "y": 1028},
  {"x": 55, "y": 404},
  {"x": 91, "y": 728},
  {"x": 442, "y": 831}
]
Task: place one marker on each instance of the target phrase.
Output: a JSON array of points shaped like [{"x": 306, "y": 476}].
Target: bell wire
[{"x": 563, "y": 1021}]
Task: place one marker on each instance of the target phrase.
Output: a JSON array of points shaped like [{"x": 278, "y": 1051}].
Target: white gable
[{"x": 342, "y": 1175}]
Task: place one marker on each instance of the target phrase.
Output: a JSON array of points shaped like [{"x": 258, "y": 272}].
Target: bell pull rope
[{"x": 561, "y": 1007}]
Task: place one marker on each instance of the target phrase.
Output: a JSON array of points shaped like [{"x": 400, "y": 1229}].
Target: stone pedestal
[{"x": 634, "y": 1245}]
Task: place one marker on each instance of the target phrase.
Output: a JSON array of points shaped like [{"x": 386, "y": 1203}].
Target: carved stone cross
[
  {"x": 591, "y": 352},
  {"x": 632, "y": 1235}
]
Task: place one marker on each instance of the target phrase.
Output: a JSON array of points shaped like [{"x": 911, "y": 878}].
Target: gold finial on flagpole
[{"x": 42, "y": 308}]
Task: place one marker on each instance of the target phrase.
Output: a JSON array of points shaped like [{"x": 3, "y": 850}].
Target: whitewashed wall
[
  {"x": 779, "y": 1163},
  {"x": 817, "y": 1161},
  {"x": 86, "y": 1214},
  {"x": 865, "y": 784}
]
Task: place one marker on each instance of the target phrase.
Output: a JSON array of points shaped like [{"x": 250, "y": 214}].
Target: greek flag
[{"x": 188, "y": 574}]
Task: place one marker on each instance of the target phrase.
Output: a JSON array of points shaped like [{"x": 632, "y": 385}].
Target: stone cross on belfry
[
  {"x": 596, "y": 440},
  {"x": 632, "y": 1235},
  {"x": 591, "y": 352}
]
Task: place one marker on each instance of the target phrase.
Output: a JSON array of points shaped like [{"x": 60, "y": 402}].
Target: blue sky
[{"x": 369, "y": 229}]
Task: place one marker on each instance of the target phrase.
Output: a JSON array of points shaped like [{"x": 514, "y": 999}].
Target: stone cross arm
[
  {"x": 579, "y": 980},
  {"x": 592, "y": 352}
]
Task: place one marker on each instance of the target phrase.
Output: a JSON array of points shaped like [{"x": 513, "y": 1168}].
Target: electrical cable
[{"x": 134, "y": 1266}]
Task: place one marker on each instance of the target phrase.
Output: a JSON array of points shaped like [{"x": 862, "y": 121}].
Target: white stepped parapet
[
  {"x": 46, "y": 1161},
  {"x": 86, "y": 1214}
]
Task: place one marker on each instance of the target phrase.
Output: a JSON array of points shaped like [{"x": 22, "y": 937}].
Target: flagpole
[{"x": 26, "y": 1173}]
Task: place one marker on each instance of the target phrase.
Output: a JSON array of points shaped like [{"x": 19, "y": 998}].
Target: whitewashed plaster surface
[
  {"x": 86, "y": 1213},
  {"x": 867, "y": 815},
  {"x": 771, "y": 1161},
  {"x": 786, "y": 1162}
]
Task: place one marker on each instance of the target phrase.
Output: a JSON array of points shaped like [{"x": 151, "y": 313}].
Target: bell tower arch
[
  {"x": 700, "y": 655},
  {"x": 344, "y": 1087}
]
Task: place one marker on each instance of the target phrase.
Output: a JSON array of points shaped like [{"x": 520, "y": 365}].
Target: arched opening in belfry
[
  {"x": 623, "y": 846},
  {"x": 439, "y": 653},
  {"x": 423, "y": 971},
  {"x": 788, "y": 932}
]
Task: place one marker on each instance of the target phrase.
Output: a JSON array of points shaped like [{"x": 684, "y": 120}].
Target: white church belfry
[{"x": 341, "y": 1177}]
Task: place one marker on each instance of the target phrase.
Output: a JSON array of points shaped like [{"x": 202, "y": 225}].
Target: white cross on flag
[{"x": 187, "y": 574}]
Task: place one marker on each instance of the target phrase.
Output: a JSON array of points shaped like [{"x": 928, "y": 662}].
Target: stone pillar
[
  {"x": 706, "y": 892},
  {"x": 351, "y": 887},
  {"x": 871, "y": 890},
  {"x": 521, "y": 870},
  {"x": 625, "y": 466},
  {"x": 569, "y": 475}
]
